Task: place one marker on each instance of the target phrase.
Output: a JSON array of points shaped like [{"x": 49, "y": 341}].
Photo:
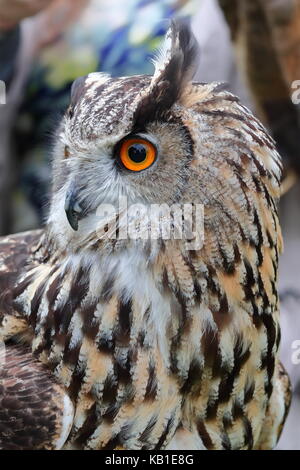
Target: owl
[{"x": 158, "y": 342}]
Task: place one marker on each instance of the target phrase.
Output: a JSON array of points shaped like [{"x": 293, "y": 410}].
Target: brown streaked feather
[
  {"x": 15, "y": 253},
  {"x": 31, "y": 402},
  {"x": 177, "y": 70},
  {"x": 277, "y": 410}
]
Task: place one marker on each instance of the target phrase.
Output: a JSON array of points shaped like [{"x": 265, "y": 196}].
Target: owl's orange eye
[{"x": 137, "y": 153}]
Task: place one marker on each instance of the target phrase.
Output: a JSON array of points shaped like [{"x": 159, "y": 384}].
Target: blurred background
[{"x": 252, "y": 45}]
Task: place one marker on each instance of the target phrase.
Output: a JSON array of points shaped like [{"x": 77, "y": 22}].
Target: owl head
[{"x": 158, "y": 139}]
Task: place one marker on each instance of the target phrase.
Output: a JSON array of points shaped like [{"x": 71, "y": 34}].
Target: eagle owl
[{"x": 111, "y": 343}]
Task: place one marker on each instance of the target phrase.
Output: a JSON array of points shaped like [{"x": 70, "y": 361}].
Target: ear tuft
[
  {"x": 174, "y": 69},
  {"x": 178, "y": 54}
]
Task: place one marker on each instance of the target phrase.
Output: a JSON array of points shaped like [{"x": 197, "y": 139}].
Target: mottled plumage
[{"x": 157, "y": 346}]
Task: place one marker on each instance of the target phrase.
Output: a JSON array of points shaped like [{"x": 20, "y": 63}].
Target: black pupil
[{"x": 137, "y": 153}]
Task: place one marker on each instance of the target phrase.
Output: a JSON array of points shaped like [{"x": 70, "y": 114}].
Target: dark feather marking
[
  {"x": 112, "y": 443},
  {"x": 122, "y": 334},
  {"x": 111, "y": 413},
  {"x": 228, "y": 265},
  {"x": 248, "y": 433},
  {"x": 278, "y": 339},
  {"x": 76, "y": 381},
  {"x": 151, "y": 389},
  {"x": 71, "y": 354},
  {"x": 245, "y": 190},
  {"x": 106, "y": 345},
  {"x": 227, "y": 382},
  {"x": 141, "y": 341},
  {"x": 224, "y": 307},
  {"x": 211, "y": 410},
  {"x": 164, "y": 435},
  {"x": 193, "y": 382},
  {"x": 78, "y": 291},
  {"x": 172, "y": 81},
  {"x": 212, "y": 285},
  {"x": 110, "y": 389},
  {"x": 261, "y": 169},
  {"x": 237, "y": 410},
  {"x": 90, "y": 325},
  {"x": 89, "y": 426},
  {"x": 35, "y": 303},
  {"x": 224, "y": 114},
  {"x": 18, "y": 290},
  {"x": 256, "y": 139},
  {"x": 107, "y": 289},
  {"x": 203, "y": 433},
  {"x": 227, "y": 422},
  {"x": 226, "y": 443},
  {"x": 54, "y": 290},
  {"x": 123, "y": 373},
  {"x": 249, "y": 281},
  {"x": 210, "y": 348},
  {"x": 249, "y": 392},
  {"x": 147, "y": 431},
  {"x": 269, "y": 361},
  {"x": 259, "y": 229}
]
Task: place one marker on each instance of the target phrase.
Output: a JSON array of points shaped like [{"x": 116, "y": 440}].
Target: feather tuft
[{"x": 175, "y": 67}]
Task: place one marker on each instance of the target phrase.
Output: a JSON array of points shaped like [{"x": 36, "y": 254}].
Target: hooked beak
[{"x": 72, "y": 209}]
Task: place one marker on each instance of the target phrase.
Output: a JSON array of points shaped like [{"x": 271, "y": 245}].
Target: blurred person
[
  {"x": 22, "y": 38},
  {"x": 11, "y": 13}
]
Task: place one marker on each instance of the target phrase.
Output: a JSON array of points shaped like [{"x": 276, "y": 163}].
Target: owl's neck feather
[
  {"x": 67, "y": 292},
  {"x": 96, "y": 318}
]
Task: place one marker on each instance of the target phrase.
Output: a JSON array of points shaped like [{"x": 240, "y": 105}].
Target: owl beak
[{"x": 72, "y": 209}]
